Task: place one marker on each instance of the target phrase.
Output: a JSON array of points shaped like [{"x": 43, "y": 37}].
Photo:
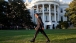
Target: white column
[
  {"x": 33, "y": 9},
  {"x": 49, "y": 13},
  {"x": 37, "y": 8},
  {"x": 58, "y": 12},
  {"x": 43, "y": 12},
  {"x": 55, "y": 12},
  {"x": 33, "y": 13}
]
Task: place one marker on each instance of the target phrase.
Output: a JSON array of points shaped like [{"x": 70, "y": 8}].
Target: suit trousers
[{"x": 42, "y": 31}]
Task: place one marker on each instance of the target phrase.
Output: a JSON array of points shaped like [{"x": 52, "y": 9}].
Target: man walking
[{"x": 39, "y": 28}]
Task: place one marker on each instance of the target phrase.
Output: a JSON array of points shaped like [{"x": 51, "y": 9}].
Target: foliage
[
  {"x": 15, "y": 15},
  {"x": 3, "y": 10},
  {"x": 1, "y": 0},
  {"x": 63, "y": 25},
  {"x": 71, "y": 12}
]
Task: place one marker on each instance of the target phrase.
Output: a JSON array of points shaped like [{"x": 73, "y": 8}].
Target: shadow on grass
[
  {"x": 69, "y": 40},
  {"x": 40, "y": 42}
]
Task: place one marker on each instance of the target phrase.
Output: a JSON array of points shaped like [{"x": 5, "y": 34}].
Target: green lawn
[{"x": 23, "y": 36}]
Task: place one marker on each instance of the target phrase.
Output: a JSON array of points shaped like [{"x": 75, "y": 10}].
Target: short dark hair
[{"x": 36, "y": 14}]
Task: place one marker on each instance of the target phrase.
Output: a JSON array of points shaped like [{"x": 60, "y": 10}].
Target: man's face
[{"x": 36, "y": 15}]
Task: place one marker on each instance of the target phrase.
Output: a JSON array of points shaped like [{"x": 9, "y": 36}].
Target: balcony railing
[{"x": 46, "y": 11}]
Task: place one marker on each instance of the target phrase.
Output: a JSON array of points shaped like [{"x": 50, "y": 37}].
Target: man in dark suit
[{"x": 39, "y": 28}]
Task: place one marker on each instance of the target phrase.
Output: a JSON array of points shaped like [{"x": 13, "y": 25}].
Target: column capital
[{"x": 43, "y": 4}]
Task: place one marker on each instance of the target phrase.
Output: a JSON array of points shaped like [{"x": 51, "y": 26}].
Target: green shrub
[{"x": 63, "y": 25}]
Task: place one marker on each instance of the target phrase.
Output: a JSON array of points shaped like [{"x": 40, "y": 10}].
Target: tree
[
  {"x": 71, "y": 12},
  {"x": 14, "y": 14},
  {"x": 62, "y": 25},
  {"x": 3, "y": 10},
  {"x": 1, "y": 0},
  {"x": 18, "y": 14}
]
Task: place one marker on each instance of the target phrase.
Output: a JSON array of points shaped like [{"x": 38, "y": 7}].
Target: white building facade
[{"x": 51, "y": 11}]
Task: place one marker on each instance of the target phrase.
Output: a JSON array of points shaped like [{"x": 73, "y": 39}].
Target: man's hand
[
  {"x": 35, "y": 28},
  {"x": 42, "y": 28}
]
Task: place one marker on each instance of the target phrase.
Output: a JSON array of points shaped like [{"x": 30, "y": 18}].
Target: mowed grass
[{"x": 23, "y": 36}]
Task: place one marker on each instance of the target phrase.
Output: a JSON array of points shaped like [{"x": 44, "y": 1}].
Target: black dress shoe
[{"x": 32, "y": 40}]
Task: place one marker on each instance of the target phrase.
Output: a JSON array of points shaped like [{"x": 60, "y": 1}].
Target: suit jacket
[{"x": 39, "y": 23}]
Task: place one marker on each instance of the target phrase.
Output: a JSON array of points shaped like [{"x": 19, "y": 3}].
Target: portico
[{"x": 48, "y": 12}]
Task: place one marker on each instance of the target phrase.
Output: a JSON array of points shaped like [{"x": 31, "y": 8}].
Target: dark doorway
[
  {"x": 62, "y": 18},
  {"x": 53, "y": 26},
  {"x": 48, "y": 27}
]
